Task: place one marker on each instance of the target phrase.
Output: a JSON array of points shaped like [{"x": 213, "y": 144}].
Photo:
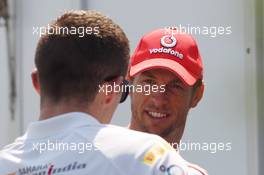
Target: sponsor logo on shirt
[
  {"x": 171, "y": 170},
  {"x": 153, "y": 154},
  {"x": 50, "y": 169}
]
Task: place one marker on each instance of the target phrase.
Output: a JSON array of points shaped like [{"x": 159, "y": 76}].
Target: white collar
[{"x": 57, "y": 124}]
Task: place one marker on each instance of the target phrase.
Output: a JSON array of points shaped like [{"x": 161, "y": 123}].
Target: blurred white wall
[
  {"x": 4, "y": 102},
  {"x": 28, "y": 14},
  {"x": 260, "y": 78},
  {"x": 228, "y": 110},
  {"x": 10, "y": 124}
]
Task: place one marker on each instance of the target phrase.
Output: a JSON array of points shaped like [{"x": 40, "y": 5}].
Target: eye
[{"x": 175, "y": 85}]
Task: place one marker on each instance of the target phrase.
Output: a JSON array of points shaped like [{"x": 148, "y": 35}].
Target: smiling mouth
[{"x": 157, "y": 115}]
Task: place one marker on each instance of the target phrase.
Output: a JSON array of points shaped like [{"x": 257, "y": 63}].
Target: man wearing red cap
[{"x": 171, "y": 59}]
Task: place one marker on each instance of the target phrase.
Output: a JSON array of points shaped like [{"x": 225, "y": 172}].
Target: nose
[{"x": 159, "y": 99}]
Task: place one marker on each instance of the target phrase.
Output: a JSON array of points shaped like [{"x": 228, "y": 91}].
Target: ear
[
  {"x": 198, "y": 94},
  {"x": 35, "y": 80},
  {"x": 112, "y": 88}
]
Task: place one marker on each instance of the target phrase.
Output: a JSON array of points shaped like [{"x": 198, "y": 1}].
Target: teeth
[{"x": 157, "y": 114}]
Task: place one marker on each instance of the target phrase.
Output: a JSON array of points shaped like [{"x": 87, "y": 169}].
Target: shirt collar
[{"x": 57, "y": 124}]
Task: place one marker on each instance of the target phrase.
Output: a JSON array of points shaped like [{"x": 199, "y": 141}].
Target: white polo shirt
[{"x": 77, "y": 144}]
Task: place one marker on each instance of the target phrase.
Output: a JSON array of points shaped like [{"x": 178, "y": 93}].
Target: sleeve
[
  {"x": 164, "y": 160},
  {"x": 170, "y": 164}
]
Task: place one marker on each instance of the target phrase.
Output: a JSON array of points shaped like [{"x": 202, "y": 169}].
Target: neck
[
  {"x": 173, "y": 137},
  {"x": 49, "y": 110}
]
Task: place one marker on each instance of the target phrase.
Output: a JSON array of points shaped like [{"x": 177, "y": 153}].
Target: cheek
[
  {"x": 180, "y": 103},
  {"x": 138, "y": 102},
  {"x": 179, "y": 109}
]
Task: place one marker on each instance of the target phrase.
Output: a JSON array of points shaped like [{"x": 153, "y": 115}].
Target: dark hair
[{"x": 73, "y": 66}]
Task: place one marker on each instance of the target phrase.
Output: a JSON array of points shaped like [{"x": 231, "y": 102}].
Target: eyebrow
[
  {"x": 149, "y": 74},
  {"x": 176, "y": 80}
]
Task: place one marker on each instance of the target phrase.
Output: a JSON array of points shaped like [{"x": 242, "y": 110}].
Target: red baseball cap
[{"x": 168, "y": 49}]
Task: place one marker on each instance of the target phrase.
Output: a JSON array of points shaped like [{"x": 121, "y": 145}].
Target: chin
[{"x": 155, "y": 131}]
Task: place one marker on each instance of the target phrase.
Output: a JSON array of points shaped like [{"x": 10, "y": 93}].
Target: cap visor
[{"x": 173, "y": 66}]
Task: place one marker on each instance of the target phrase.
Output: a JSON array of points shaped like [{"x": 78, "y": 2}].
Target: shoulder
[
  {"x": 18, "y": 144},
  {"x": 126, "y": 139},
  {"x": 132, "y": 150},
  {"x": 124, "y": 134},
  {"x": 8, "y": 157}
]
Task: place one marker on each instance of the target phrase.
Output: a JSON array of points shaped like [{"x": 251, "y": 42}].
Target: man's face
[{"x": 161, "y": 113}]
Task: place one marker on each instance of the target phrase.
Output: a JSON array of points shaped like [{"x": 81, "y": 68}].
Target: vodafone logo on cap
[{"x": 168, "y": 41}]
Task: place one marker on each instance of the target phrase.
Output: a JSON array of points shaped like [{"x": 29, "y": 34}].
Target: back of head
[{"x": 80, "y": 50}]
